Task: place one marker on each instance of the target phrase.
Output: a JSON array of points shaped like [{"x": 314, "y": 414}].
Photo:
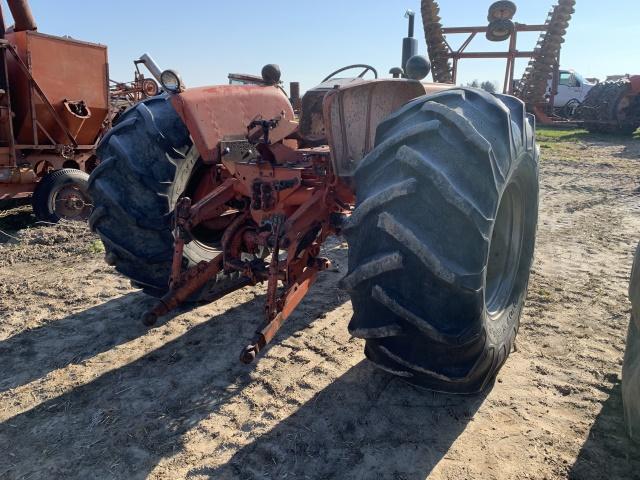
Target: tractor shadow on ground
[
  {"x": 631, "y": 149},
  {"x": 126, "y": 420},
  {"x": 608, "y": 451},
  {"x": 34, "y": 353},
  {"x": 365, "y": 424}
]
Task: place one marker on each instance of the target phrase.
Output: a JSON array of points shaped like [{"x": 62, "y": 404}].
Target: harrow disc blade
[
  {"x": 533, "y": 85},
  {"x": 436, "y": 45}
]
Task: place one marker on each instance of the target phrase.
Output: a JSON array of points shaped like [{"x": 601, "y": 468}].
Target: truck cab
[{"x": 572, "y": 89}]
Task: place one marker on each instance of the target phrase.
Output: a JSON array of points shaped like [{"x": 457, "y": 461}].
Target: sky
[{"x": 205, "y": 40}]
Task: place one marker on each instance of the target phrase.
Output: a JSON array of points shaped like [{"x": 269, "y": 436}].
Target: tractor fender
[
  {"x": 212, "y": 114},
  {"x": 352, "y": 113}
]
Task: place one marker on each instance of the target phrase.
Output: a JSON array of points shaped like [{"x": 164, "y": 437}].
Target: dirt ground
[{"x": 87, "y": 392}]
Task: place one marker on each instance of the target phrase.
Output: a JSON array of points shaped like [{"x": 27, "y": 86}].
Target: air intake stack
[{"x": 22, "y": 15}]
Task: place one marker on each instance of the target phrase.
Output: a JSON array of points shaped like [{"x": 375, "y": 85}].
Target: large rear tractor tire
[
  {"x": 631, "y": 365},
  {"x": 146, "y": 162},
  {"x": 442, "y": 238}
]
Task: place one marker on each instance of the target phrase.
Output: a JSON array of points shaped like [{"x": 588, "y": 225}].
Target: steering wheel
[{"x": 366, "y": 68}]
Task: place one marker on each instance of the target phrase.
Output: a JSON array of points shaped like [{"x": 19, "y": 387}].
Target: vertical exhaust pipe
[
  {"x": 409, "y": 43},
  {"x": 22, "y": 15},
  {"x": 294, "y": 96}
]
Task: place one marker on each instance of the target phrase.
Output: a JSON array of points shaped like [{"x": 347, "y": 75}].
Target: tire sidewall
[
  {"x": 195, "y": 252},
  {"x": 501, "y": 327}
]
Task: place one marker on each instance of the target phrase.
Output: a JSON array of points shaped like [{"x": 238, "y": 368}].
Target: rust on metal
[
  {"x": 511, "y": 54},
  {"x": 354, "y": 112},
  {"x": 54, "y": 102},
  {"x": 58, "y": 69},
  {"x": 71, "y": 202},
  {"x": 22, "y": 15},
  {"x": 273, "y": 195},
  {"x": 544, "y": 59},
  {"x": 211, "y": 206},
  {"x": 126, "y": 94},
  {"x": 290, "y": 300},
  {"x": 520, "y": 27},
  {"x": 16, "y": 190},
  {"x": 213, "y": 113},
  {"x": 188, "y": 284}
]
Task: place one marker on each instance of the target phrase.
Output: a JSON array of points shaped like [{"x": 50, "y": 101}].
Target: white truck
[{"x": 572, "y": 90}]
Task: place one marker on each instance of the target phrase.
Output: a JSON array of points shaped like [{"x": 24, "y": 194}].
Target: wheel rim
[
  {"x": 505, "y": 251},
  {"x": 150, "y": 87},
  {"x": 69, "y": 202},
  {"x": 500, "y": 32}
]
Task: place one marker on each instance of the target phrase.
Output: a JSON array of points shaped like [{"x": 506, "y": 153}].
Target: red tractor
[{"x": 203, "y": 191}]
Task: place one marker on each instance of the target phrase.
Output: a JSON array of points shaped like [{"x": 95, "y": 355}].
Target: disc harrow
[
  {"x": 436, "y": 44},
  {"x": 533, "y": 85}
]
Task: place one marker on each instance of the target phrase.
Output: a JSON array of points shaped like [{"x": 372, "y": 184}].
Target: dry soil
[{"x": 87, "y": 392}]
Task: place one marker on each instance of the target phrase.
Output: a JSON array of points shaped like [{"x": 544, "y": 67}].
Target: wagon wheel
[{"x": 62, "y": 195}]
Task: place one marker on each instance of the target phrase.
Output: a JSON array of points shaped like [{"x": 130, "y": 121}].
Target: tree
[{"x": 488, "y": 86}]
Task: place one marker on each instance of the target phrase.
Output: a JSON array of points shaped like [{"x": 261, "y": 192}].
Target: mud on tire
[
  {"x": 145, "y": 165},
  {"x": 442, "y": 238}
]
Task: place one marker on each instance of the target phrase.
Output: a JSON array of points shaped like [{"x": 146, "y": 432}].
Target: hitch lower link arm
[
  {"x": 184, "y": 285},
  {"x": 283, "y": 307}
]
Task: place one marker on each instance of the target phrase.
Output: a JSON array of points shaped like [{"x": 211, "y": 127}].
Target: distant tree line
[{"x": 488, "y": 86}]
